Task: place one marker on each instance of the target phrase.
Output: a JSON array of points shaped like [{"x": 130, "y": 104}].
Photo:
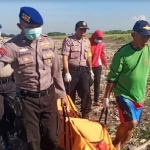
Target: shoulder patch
[{"x": 3, "y": 52}]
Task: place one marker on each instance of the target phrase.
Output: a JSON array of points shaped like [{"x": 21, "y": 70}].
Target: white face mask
[{"x": 97, "y": 41}]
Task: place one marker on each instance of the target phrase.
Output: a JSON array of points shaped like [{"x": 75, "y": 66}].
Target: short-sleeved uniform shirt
[
  {"x": 78, "y": 51},
  {"x": 129, "y": 71},
  {"x": 35, "y": 64}
]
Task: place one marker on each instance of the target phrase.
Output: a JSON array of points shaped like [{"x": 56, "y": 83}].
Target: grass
[{"x": 117, "y": 38}]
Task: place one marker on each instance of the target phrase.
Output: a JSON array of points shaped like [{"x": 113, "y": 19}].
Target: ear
[
  {"x": 133, "y": 34},
  {"x": 20, "y": 26}
]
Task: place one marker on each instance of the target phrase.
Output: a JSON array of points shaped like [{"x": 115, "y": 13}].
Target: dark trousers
[
  {"x": 80, "y": 83},
  {"x": 97, "y": 76},
  {"x": 40, "y": 122},
  {"x": 7, "y": 115}
]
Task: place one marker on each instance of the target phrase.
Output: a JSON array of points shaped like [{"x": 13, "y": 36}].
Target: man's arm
[
  {"x": 89, "y": 63},
  {"x": 115, "y": 70},
  {"x": 65, "y": 53},
  {"x": 89, "y": 56},
  {"x": 57, "y": 76},
  {"x": 6, "y": 55},
  {"x": 103, "y": 57},
  {"x": 65, "y": 64},
  {"x": 109, "y": 88}
]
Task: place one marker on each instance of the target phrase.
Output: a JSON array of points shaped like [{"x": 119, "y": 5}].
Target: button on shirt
[
  {"x": 78, "y": 51},
  {"x": 35, "y": 64}
]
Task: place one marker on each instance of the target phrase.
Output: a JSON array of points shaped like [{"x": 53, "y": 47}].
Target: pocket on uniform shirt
[
  {"x": 48, "y": 58},
  {"x": 75, "y": 52},
  {"x": 26, "y": 64},
  {"x": 25, "y": 60}
]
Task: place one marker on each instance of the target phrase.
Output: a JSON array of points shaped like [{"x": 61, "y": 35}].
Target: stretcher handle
[
  {"x": 102, "y": 112},
  {"x": 65, "y": 114}
]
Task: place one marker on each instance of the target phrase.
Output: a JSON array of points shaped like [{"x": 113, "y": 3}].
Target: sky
[{"x": 62, "y": 15}]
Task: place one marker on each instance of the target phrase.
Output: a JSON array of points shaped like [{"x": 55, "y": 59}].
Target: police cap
[{"x": 30, "y": 15}]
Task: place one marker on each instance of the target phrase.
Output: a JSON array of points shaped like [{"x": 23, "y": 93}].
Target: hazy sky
[{"x": 62, "y": 15}]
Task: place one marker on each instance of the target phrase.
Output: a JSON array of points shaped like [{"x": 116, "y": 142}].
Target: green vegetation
[
  {"x": 7, "y": 35},
  {"x": 59, "y": 37},
  {"x": 56, "y": 34},
  {"x": 118, "y": 38},
  {"x": 118, "y": 32}
]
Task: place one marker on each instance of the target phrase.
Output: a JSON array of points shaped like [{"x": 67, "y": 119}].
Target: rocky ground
[{"x": 142, "y": 132}]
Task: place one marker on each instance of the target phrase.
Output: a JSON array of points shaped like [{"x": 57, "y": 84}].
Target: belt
[
  {"x": 78, "y": 68},
  {"x": 36, "y": 94},
  {"x": 5, "y": 80}
]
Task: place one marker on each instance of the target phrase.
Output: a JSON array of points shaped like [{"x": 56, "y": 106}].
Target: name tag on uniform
[{"x": 23, "y": 49}]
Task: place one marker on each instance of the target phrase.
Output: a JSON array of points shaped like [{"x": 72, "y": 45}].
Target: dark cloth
[
  {"x": 40, "y": 122},
  {"x": 7, "y": 115},
  {"x": 80, "y": 83},
  {"x": 97, "y": 76}
]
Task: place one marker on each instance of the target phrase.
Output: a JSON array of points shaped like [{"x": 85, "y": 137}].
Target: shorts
[{"x": 129, "y": 110}]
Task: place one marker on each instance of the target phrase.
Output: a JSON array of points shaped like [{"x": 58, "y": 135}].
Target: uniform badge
[
  {"x": 147, "y": 27},
  {"x": 25, "y": 17},
  {"x": 25, "y": 59},
  {"x": 3, "y": 52},
  {"x": 23, "y": 49},
  {"x": 48, "y": 55},
  {"x": 45, "y": 44},
  {"x": 84, "y": 23},
  {"x": 49, "y": 61}
]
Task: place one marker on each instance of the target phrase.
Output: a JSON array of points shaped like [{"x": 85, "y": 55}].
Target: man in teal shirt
[{"x": 128, "y": 78}]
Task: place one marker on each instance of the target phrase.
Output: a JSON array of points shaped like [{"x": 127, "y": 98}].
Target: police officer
[
  {"x": 76, "y": 52},
  {"x": 38, "y": 79},
  {"x": 7, "y": 116}
]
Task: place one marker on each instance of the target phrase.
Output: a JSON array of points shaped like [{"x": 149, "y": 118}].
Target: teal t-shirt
[{"x": 129, "y": 70}]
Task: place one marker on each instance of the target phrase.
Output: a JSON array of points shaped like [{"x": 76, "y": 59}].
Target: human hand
[
  {"x": 92, "y": 74},
  {"x": 63, "y": 102},
  {"x": 67, "y": 77},
  {"x": 106, "y": 103}
]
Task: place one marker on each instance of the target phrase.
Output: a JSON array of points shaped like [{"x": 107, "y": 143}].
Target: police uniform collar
[
  {"x": 24, "y": 39},
  {"x": 77, "y": 38}
]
